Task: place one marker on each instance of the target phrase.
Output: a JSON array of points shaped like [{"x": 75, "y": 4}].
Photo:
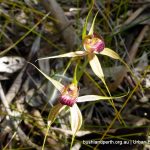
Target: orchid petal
[
  {"x": 110, "y": 53},
  {"x": 96, "y": 66},
  {"x": 57, "y": 84},
  {"x": 76, "y": 120},
  {"x": 70, "y": 54}
]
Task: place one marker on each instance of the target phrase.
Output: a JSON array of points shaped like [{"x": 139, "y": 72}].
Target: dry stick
[
  {"x": 17, "y": 83},
  {"x": 129, "y": 60},
  {"x": 134, "y": 15},
  {"x": 10, "y": 141},
  {"x": 62, "y": 23},
  {"x": 15, "y": 87},
  {"x": 25, "y": 140}
]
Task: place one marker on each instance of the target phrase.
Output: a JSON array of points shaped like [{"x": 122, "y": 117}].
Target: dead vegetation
[{"x": 33, "y": 29}]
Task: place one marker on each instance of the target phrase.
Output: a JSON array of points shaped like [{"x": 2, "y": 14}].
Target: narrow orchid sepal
[
  {"x": 91, "y": 31},
  {"x": 70, "y": 55},
  {"x": 57, "y": 84},
  {"x": 86, "y": 21},
  {"x": 89, "y": 98}
]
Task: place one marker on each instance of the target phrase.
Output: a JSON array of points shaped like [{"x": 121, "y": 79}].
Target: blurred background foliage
[{"x": 31, "y": 29}]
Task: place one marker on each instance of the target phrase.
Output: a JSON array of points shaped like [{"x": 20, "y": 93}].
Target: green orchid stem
[
  {"x": 96, "y": 84},
  {"x": 47, "y": 130},
  {"x": 75, "y": 74},
  {"x": 73, "y": 137},
  {"x": 82, "y": 70},
  {"x": 68, "y": 65}
]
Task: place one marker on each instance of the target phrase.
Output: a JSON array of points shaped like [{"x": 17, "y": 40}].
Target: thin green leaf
[
  {"x": 96, "y": 66},
  {"x": 110, "y": 53},
  {"x": 76, "y": 120},
  {"x": 25, "y": 35},
  {"x": 92, "y": 26},
  {"x": 70, "y": 54},
  {"x": 88, "y": 98},
  {"x": 55, "y": 111},
  {"x": 57, "y": 84}
]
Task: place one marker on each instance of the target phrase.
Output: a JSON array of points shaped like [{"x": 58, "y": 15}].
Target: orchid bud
[
  {"x": 69, "y": 95},
  {"x": 93, "y": 43}
]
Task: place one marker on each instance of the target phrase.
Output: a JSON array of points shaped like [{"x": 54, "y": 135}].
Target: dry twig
[
  {"x": 130, "y": 58},
  {"x": 62, "y": 23},
  {"x": 23, "y": 137}
]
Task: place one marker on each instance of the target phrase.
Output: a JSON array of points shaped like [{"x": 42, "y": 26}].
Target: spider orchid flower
[
  {"x": 93, "y": 45},
  {"x": 69, "y": 96}
]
